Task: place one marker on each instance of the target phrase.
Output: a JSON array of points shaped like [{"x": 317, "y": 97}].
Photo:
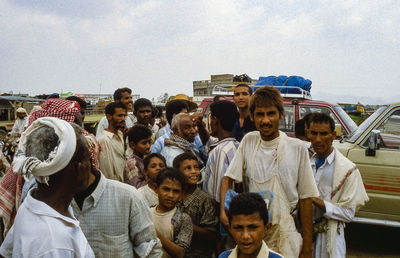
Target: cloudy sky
[{"x": 349, "y": 49}]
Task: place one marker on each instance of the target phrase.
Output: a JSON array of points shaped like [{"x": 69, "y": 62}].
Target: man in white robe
[
  {"x": 340, "y": 185},
  {"x": 270, "y": 160}
]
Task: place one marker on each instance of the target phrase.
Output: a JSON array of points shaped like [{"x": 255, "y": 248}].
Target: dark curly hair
[{"x": 248, "y": 203}]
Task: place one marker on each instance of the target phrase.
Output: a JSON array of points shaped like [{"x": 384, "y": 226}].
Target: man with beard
[
  {"x": 57, "y": 155},
  {"x": 124, "y": 96},
  {"x": 112, "y": 155},
  {"x": 181, "y": 140},
  {"x": 21, "y": 123},
  {"x": 143, "y": 109},
  {"x": 267, "y": 159}
]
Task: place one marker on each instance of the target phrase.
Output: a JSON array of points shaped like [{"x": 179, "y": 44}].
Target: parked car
[{"x": 375, "y": 148}]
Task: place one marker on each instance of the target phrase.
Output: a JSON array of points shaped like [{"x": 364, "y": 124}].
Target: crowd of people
[{"x": 243, "y": 188}]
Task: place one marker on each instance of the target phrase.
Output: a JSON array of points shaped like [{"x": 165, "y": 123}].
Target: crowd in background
[{"x": 147, "y": 188}]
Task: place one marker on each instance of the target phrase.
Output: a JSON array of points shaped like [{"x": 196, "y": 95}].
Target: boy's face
[
  {"x": 154, "y": 167},
  {"x": 142, "y": 147},
  {"x": 169, "y": 192},
  {"x": 190, "y": 169},
  {"x": 248, "y": 232},
  {"x": 266, "y": 120}
]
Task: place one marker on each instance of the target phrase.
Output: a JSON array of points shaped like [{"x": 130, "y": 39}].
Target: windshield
[
  {"x": 364, "y": 125},
  {"x": 346, "y": 118}
]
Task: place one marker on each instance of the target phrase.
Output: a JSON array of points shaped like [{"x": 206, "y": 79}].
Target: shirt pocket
[{"x": 113, "y": 246}]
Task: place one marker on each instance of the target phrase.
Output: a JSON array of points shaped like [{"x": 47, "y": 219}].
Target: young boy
[
  {"x": 139, "y": 137},
  {"x": 199, "y": 205},
  {"x": 153, "y": 164},
  {"x": 174, "y": 228},
  {"x": 248, "y": 222}
]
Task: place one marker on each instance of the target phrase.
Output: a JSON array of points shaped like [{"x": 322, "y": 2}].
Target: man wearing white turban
[
  {"x": 56, "y": 154},
  {"x": 20, "y": 123}
]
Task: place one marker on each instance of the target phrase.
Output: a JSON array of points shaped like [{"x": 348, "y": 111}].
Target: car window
[
  {"x": 346, "y": 118},
  {"x": 364, "y": 125},
  {"x": 304, "y": 110},
  {"x": 287, "y": 123},
  {"x": 390, "y": 131}
]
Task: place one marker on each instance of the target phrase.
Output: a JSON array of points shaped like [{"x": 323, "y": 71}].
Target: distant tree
[{"x": 163, "y": 98}]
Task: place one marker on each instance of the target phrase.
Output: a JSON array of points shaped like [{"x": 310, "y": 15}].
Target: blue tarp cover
[{"x": 283, "y": 80}]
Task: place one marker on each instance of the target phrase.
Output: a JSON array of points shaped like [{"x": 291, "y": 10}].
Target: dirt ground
[{"x": 372, "y": 241}]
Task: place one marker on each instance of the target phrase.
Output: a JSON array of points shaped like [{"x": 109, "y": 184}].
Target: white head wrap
[{"x": 58, "y": 159}]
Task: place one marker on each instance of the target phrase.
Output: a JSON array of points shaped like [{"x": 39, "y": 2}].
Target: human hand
[
  {"x": 224, "y": 220},
  {"x": 197, "y": 119}
]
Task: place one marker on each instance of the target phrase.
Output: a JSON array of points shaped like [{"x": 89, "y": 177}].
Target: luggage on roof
[{"x": 283, "y": 80}]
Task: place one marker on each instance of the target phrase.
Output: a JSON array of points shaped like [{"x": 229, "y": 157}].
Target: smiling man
[
  {"x": 267, "y": 159},
  {"x": 248, "y": 223},
  {"x": 340, "y": 186}
]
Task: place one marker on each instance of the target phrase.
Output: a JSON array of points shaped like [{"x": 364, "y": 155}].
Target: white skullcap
[
  {"x": 58, "y": 159},
  {"x": 21, "y": 110}
]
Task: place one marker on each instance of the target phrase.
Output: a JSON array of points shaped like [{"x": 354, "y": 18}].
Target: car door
[{"x": 381, "y": 173}]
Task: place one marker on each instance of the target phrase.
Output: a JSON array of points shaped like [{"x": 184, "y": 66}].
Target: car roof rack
[
  {"x": 293, "y": 92},
  {"x": 223, "y": 89}
]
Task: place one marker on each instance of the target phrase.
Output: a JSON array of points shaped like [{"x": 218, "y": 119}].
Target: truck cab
[{"x": 375, "y": 148}]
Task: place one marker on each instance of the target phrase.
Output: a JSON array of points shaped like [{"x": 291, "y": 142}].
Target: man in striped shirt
[{"x": 223, "y": 117}]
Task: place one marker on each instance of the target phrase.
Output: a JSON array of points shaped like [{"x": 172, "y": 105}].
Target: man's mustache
[{"x": 266, "y": 126}]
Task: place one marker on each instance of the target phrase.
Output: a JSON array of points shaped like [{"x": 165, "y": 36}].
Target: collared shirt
[
  {"x": 112, "y": 156},
  {"x": 219, "y": 158},
  {"x": 103, "y": 124},
  {"x": 40, "y": 231},
  {"x": 117, "y": 222},
  {"x": 134, "y": 171},
  {"x": 264, "y": 252},
  {"x": 324, "y": 179},
  {"x": 202, "y": 210},
  {"x": 19, "y": 126}
]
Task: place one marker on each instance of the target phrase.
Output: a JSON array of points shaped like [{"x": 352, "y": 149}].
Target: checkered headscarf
[{"x": 59, "y": 108}]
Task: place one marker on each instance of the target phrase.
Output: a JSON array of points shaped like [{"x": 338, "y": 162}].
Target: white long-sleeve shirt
[
  {"x": 324, "y": 181},
  {"x": 19, "y": 126}
]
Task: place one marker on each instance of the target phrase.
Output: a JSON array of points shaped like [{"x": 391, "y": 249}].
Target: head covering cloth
[
  {"x": 60, "y": 108},
  {"x": 58, "y": 159}
]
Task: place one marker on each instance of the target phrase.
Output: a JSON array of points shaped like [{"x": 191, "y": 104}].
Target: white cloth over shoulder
[
  {"x": 294, "y": 166},
  {"x": 58, "y": 159},
  {"x": 337, "y": 170}
]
